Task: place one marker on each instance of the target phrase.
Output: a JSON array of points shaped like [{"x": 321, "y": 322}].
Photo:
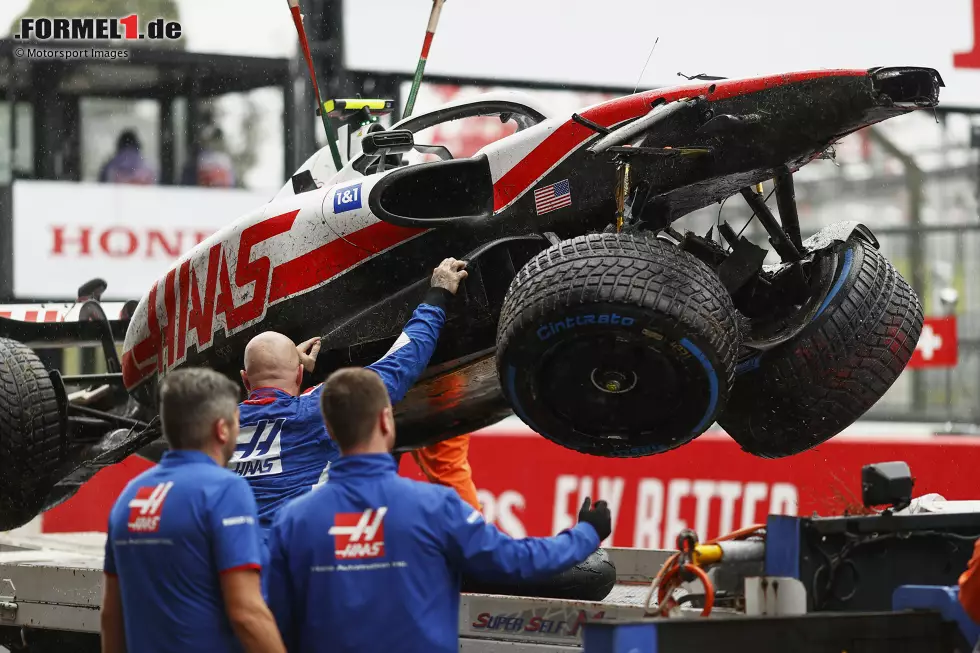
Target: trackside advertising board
[
  {"x": 529, "y": 486},
  {"x": 65, "y": 233},
  {"x": 607, "y": 44}
]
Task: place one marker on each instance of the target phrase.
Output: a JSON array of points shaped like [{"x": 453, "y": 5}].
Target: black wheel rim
[
  {"x": 610, "y": 385},
  {"x": 823, "y": 272}
]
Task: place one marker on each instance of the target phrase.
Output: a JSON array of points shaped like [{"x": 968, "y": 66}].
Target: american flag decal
[{"x": 552, "y": 197}]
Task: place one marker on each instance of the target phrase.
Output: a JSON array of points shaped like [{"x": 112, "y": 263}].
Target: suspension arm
[{"x": 780, "y": 241}]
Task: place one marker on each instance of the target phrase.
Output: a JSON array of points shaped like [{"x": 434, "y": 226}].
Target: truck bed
[{"x": 54, "y": 582}]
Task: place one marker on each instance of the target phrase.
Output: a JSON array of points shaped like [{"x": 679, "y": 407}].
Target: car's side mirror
[{"x": 396, "y": 141}]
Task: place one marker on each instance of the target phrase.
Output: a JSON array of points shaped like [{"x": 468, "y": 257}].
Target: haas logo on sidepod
[
  {"x": 359, "y": 535},
  {"x": 229, "y": 285},
  {"x": 146, "y": 506}
]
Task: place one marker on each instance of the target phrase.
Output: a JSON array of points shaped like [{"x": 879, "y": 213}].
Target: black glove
[{"x": 597, "y": 515}]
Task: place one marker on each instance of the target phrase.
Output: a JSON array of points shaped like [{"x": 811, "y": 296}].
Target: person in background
[
  {"x": 213, "y": 167},
  {"x": 969, "y": 583},
  {"x": 372, "y": 561},
  {"x": 447, "y": 463},
  {"x": 127, "y": 166},
  {"x": 183, "y": 550}
]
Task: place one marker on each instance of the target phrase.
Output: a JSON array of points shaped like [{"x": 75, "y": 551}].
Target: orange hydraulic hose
[
  {"x": 670, "y": 568},
  {"x": 709, "y": 589}
]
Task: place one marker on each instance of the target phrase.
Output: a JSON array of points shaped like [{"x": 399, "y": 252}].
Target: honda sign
[{"x": 65, "y": 233}]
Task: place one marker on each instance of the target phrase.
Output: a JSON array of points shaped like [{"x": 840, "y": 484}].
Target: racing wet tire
[
  {"x": 617, "y": 345},
  {"x": 31, "y": 442},
  {"x": 805, "y": 391},
  {"x": 590, "y": 580}
]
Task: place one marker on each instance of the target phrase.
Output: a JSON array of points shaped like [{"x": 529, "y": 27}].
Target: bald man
[{"x": 284, "y": 449}]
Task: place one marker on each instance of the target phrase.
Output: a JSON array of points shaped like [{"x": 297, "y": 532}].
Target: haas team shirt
[
  {"x": 372, "y": 561},
  {"x": 284, "y": 449},
  {"x": 174, "y": 529}
]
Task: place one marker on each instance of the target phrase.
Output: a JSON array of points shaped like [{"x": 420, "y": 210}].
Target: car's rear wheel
[
  {"x": 617, "y": 345},
  {"x": 32, "y": 442},
  {"x": 864, "y": 323}
]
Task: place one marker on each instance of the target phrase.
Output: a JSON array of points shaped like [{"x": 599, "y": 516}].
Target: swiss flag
[{"x": 937, "y": 345}]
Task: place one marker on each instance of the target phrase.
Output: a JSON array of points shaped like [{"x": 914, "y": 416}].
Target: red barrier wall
[{"x": 530, "y": 486}]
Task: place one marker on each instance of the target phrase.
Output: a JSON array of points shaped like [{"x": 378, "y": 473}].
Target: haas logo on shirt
[
  {"x": 359, "y": 535},
  {"x": 146, "y": 506},
  {"x": 258, "y": 451}
]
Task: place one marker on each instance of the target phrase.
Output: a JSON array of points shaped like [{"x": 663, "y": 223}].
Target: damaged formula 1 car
[{"x": 588, "y": 311}]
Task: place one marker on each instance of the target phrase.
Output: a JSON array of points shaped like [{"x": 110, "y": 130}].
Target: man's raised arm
[
  {"x": 482, "y": 550},
  {"x": 402, "y": 365}
]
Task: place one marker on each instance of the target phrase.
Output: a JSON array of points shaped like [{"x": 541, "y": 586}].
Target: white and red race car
[{"x": 585, "y": 313}]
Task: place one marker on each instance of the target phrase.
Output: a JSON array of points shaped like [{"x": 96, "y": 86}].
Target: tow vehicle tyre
[
  {"x": 590, "y": 580},
  {"x": 31, "y": 442},
  {"x": 617, "y": 345},
  {"x": 865, "y": 326}
]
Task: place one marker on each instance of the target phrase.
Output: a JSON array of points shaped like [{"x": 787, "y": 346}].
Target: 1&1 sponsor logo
[{"x": 347, "y": 199}]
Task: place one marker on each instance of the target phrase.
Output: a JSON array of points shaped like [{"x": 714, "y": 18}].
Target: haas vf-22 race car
[{"x": 586, "y": 312}]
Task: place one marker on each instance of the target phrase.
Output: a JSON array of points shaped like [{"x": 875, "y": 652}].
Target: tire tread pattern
[
  {"x": 629, "y": 269},
  {"x": 813, "y": 387},
  {"x": 31, "y": 439}
]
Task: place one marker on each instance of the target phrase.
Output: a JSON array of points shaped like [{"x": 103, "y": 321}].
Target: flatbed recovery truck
[
  {"x": 899, "y": 593},
  {"x": 51, "y": 590}
]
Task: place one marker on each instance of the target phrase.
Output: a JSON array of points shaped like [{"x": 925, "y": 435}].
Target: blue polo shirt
[
  {"x": 172, "y": 531},
  {"x": 371, "y": 561}
]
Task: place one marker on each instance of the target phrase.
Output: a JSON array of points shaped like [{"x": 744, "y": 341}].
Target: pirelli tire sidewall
[
  {"x": 699, "y": 352},
  {"x": 531, "y": 353}
]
